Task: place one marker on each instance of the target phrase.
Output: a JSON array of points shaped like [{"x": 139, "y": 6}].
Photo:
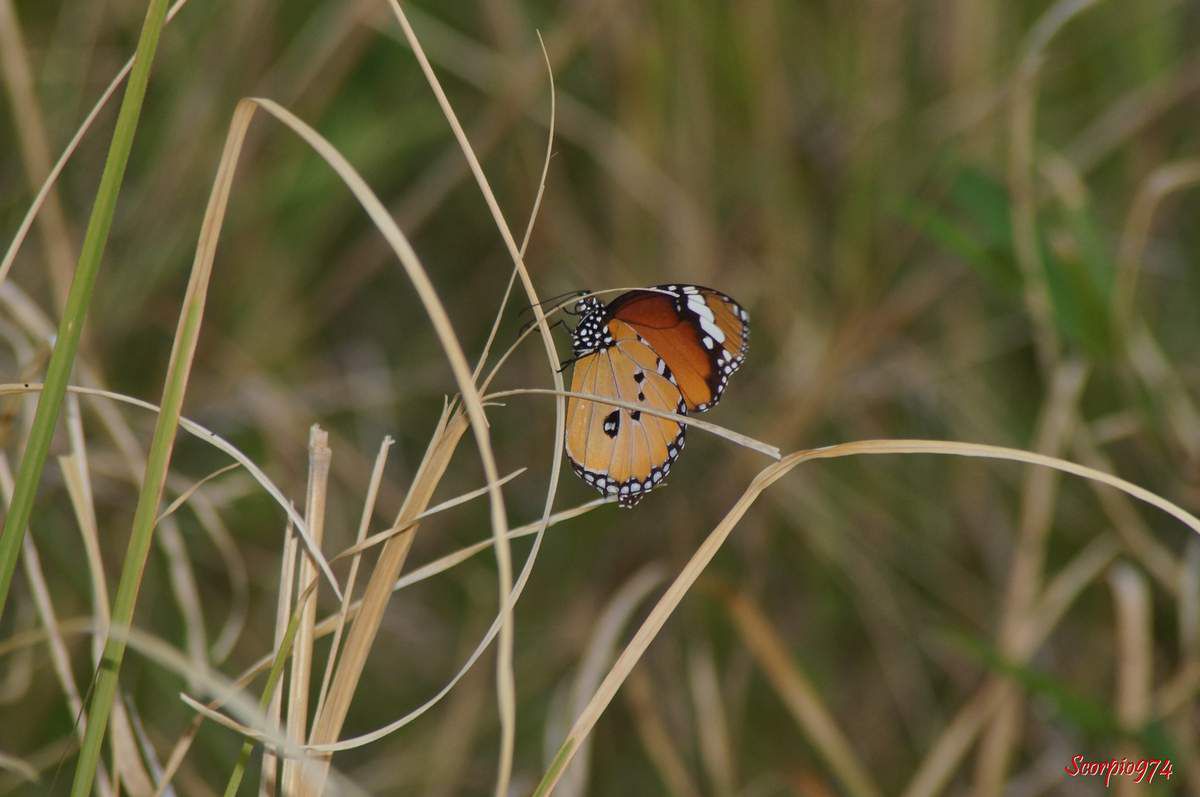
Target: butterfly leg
[{"x": 530, "y": 323}]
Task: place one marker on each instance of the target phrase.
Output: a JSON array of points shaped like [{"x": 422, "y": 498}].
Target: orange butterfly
[{"x": 671, "y": 348}]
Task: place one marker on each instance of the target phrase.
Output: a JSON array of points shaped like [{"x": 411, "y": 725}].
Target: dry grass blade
[
  {"x": 596, "y": 658},
  {"x": 90, "y": 537},
  {"x": 77, "y": 479},
  {"x": 343, "y": 614},
  {"x": 10, "y": 255},
  {"x": 328, "y": 725},
  {"x": 1161, "y": 183},
  {"x": 31, "y": 135},
  {"x": 716, "y": 747},
  {"x": 446, "y": 337},
  {"x": 382, "y": 536},
  {"x": 213, "y": 439},
  {"x": 458, "y": 557},
  {"x": 1022, "y": 136},
  {"x": 982, "y": 451},
  {"x": 319, "y": 460},
  {"x": 643, "y": 704},
  {"x": 27, "y": 771},
  {"x": 800, "y": 696},
  {"x": 768, "y": 476},
  {"x": 183, "y": 497},
  {"x": 955, "y": 740},
  {"x": 329, "y": 625},
  {"x": 734, "y": 437},
  {"x": 446, "y": 436},
  {"x": 505, "y": 681},
  {"x": 162, "y": 446},
  {"x": 1056, "y": 421},
  {"x": 658, "y": 616},
  {"x": 183, "y": 586},
  {"x": 60, "y": 657},
  {"x": 283, "y": 615},
  {"x": 1134, "y": 659}
]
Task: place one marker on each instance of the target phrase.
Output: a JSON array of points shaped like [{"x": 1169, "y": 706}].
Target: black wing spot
[
  {"x": 612, "y": 423},
  {"x": 636, "y": 415},
  {"x": 639, "y": 377}
]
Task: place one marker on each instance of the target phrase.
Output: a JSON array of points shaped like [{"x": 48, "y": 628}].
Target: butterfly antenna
[
  {"x": 552, "y": 300},
  {"x": 529, "y": 324}
]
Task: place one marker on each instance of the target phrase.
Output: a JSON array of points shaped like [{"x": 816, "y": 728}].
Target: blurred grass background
[{"x": 937, "y": 235}]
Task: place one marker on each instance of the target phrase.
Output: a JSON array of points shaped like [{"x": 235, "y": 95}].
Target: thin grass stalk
[
  {"x": 712, "y": 726},
  {"x": 600, "y": 650},
  {"x": 859, "y": 448},
  {"x": 956, "y": 738},
  {"x": 643, "y": 704},
  {"x": 1134, "y": 658},
  {"x": 765, "y": 449},
  {"x": 35, "y": 151},
  {"x": 505, "y": 679},
  {"x": 1022, "y": 155},
  {"x": 352, "y": 577},
  {"x": 159, "y": 457},
  {"x": 45, "y": 418},
  {"x": 269, "y": 694},
  {"x": 1039, "y": 492},
  {"x": 449, "y": 430},
  {"x": 381, "y": 537},
  {"x": 60, "y": 658},
  {"x": 327, "y": 625},
  {"x": 1162, "y": 182},
  {"x": 330, "y": 624},
  {"x": 327, "y": 726},
  {"x": 215, "y": 440},
  {"x": 44, "y": 193},
  {"x": 127, "y": 763},
  {"x": 319, "y": 459},
  {"x": 283, "y": 612},
  {"x": 765, "y": 478},
  {"x": 801, "y": 696}
]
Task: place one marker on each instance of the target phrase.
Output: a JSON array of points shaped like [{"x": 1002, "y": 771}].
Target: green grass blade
[
  {"x": 281, "y": 657},
  {"x": 78, "y": 299}
]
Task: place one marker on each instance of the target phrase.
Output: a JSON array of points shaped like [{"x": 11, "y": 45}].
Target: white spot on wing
[{"x": 711, "y": 329}]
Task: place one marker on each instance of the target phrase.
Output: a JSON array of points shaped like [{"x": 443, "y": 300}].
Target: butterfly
[{"x": 670, "y": 348}]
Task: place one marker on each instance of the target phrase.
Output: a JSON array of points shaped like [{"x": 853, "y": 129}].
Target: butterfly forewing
[{"x": 702, "y": 334}]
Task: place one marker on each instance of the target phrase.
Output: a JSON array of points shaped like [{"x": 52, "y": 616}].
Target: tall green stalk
[
  {"x": 158, "y": 459},
  {"x": 78, "y": 299},
  {"x": 63, "y": 357}
]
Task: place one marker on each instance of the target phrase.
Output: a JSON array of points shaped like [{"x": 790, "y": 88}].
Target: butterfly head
[
  {"x": 587, "y": 305},
  {"x": 589, "y": 335}
]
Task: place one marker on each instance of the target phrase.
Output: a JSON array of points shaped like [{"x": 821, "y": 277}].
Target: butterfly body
[{"x": 669, "y": 349}]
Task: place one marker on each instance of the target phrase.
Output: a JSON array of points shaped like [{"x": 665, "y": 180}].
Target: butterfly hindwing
[{"x": 620, "y": 451}]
